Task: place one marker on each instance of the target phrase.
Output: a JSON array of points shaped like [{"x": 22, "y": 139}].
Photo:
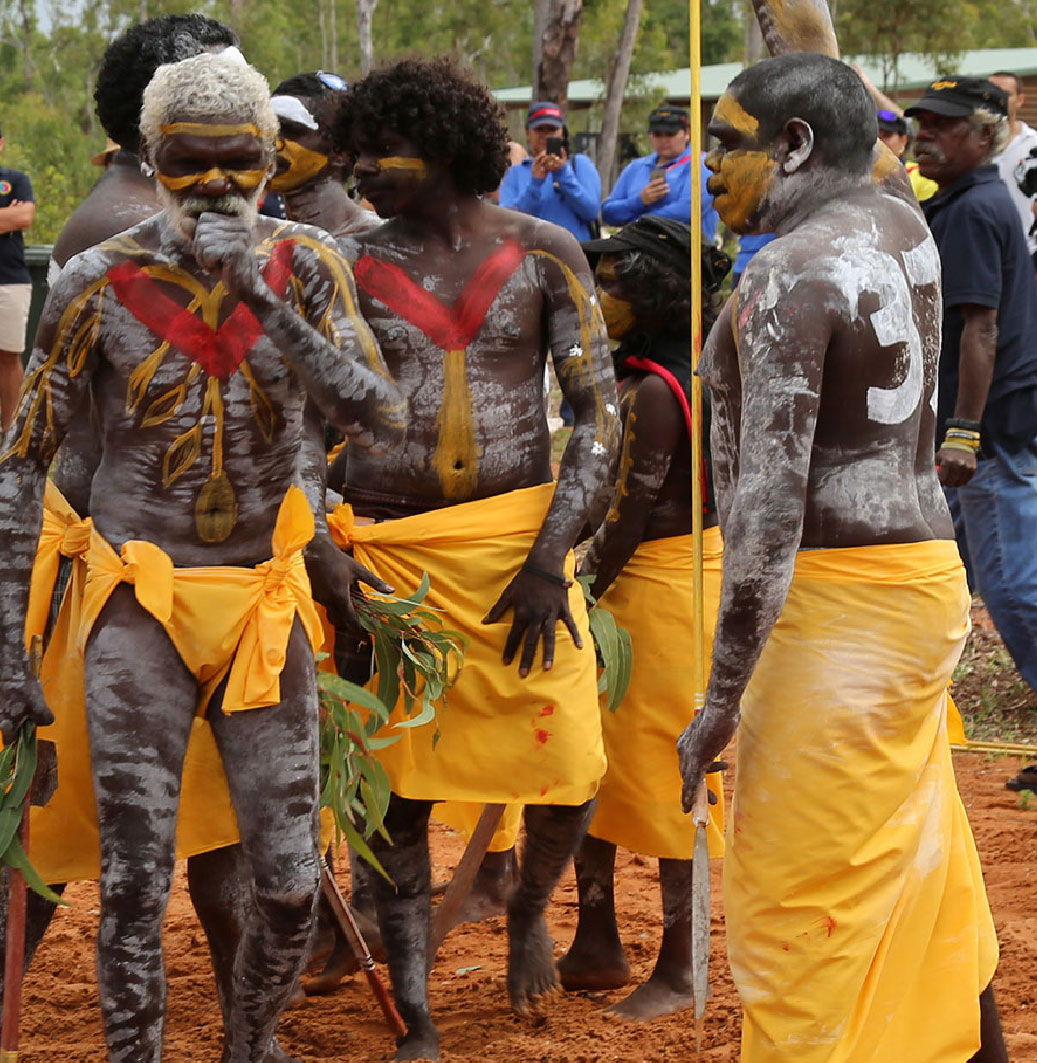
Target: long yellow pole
[
  {"x": 700, "y": 900},
  {"x": 695, "y": 109}
]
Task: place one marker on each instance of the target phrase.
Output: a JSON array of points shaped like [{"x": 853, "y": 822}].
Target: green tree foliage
[
  {"x": 51, "y": 131},
  {"x": 940, "y": 29}
]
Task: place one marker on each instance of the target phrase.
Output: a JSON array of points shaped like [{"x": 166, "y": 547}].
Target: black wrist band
[
  {"x": 960, "y": 422},
  {"x": 559, "y": 581}
]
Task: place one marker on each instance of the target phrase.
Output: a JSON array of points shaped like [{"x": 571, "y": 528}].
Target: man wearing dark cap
[
  {"x": 17, "y": 210},
  {"x": 660, "y": 183},
  {"x": 550, "y": 183},
  {"x": 987, "y": 414}
]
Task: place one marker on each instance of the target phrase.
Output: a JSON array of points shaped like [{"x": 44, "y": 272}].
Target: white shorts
[{"x": 14, "y": 313}]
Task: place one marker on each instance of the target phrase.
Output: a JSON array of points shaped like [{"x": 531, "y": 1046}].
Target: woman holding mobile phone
[
  {"x": 552, "y": 184},
  {"x": 660, "y": 183}
]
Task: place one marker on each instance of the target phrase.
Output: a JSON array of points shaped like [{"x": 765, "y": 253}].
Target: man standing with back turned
[{"x": 858, "y": 928}]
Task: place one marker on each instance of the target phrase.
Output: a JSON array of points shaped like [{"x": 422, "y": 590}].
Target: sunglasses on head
[
  {"x": 888, "y": 116},
  {"x": 332, "y": 81}
]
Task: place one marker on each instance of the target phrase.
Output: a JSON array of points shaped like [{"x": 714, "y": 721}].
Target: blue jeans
[{"x": 995, "y": 521}]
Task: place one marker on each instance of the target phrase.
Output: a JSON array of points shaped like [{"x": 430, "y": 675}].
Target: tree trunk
[
  {"x": 142, "y": 11},
  {"x": 333, "y": 15},
  {"x": 617, "y": 88},
  {"x": 26, "y": 19},
  {"x": 364, "y": 14},
  {"x": 753, "y": 48},
  {"x": 236, "y": 9},
  {"x": 555, "y": 48}
]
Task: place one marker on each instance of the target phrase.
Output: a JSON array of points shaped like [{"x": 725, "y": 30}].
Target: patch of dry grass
[{"x": 996, "y": 704}]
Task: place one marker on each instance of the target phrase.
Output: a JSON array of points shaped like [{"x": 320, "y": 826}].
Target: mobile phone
[
  {"x": 554, "y": 146},
  {"x": 657, "y": 173}
]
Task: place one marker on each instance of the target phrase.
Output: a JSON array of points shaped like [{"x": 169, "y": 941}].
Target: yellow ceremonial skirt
[
  {"x": 64, "y": 835},
  {"x": 639, "y": 803},
  {"x": 502, "y": 738},
  {"x": 857, "y": 922}
]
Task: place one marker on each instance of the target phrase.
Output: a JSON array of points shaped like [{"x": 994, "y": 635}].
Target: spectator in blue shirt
[
  {"x": 660, "y": 183},
  {"x": 561, "y": 188}
]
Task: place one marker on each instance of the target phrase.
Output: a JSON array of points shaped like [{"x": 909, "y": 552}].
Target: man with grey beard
[{"x": 199, "y": 335}]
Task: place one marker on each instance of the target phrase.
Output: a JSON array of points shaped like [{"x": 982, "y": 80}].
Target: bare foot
[
  {"x": 498, "y": 875},
  {"x": 589, "y": 966},
  {"x": 276, "y": 1054},
  {"x": 531, "y": 964},
  {"x": 420, "y": 1043},
  {"x": 651, "y": 1001},
  {"x": 340, "y": 964}
]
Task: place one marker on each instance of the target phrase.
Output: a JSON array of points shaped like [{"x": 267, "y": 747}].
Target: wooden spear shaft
[{"x": 14, "y": 945}]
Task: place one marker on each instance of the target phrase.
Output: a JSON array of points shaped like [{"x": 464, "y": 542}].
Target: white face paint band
[
  {"x": 291, "y": 109},
  {"x": 234, "y": 53}
]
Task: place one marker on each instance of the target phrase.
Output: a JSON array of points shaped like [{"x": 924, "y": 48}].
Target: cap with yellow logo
[{"x": 957, "y": 97}]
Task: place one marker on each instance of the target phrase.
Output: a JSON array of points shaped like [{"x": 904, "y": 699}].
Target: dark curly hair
[
  {"x": 452, "y": 119},
  {"x": 133, "y": 57}
]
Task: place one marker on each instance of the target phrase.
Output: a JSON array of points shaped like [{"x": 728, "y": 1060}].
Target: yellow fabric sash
[
  {"x": 858, "y": 926},
  {"x": 65, "y": 843},
  {"x": 502, "y": 738},
  {"x": 221, "y": 619},
  {"x": 639, "y": 803},
  {"x": 63, "y": 533}
]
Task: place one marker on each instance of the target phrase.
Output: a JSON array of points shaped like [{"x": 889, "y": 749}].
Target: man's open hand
[{"x": 538, "y": 605}]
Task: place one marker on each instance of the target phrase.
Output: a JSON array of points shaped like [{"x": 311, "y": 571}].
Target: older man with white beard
[{"x": 199, "y": 334}]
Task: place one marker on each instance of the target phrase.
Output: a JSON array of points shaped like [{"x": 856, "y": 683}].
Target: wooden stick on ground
[
  {"x": 461, "y": 884},
  {"x": 14, "y": 953},
  {"x": 345, "y": 920},
  {"x": 996, "y": 747},
  {"x": 14, "y": 945}
]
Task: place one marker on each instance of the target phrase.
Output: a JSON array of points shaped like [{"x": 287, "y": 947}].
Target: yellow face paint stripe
[
  {"x": 205, "y": 129},
  {"x": 246, "y": 180},
  {"x": 729, "y": 110},
  {"x": 402, "y": 162}
]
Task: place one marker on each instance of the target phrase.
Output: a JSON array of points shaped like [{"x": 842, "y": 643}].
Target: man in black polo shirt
[
  {"x": 17, "y": 209},
  {"x": 987, "y": 412}
]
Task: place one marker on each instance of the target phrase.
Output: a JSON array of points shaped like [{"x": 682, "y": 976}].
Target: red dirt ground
[{"x": 62, "y": 1021}]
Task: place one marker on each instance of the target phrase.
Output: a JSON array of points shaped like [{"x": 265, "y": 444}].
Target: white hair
[
  {"x": 983, "y": 116},
  {"x": 207, "y": 88}
]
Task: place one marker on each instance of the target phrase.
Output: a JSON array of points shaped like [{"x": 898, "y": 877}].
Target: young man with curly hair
[{"x": 468, "y": 301}]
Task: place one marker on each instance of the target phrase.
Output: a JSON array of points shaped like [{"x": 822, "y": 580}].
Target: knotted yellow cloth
[
  {"x": 220, "y": 618},
  {"x": 502, "y": 738},
  {"x": 639, "y": 803},
  {"x": 858, "y": 927},
  {"x": 64, "y": 834},
  {"x": 63, "y": 534}
]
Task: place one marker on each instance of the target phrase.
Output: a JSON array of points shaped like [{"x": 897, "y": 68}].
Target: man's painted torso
[
  {"x": 465, "y": 335},
  {"x": 872, "y": 477}
]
